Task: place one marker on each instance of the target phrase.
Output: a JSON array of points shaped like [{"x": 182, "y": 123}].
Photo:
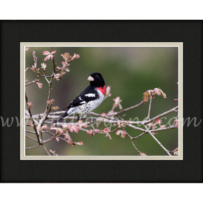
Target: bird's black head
[{"x": 96, "y": 80}]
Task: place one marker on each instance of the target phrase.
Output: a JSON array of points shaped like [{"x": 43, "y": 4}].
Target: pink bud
[
  {"x": 117, "y": 102},
  {"x": 34, "y": 69},
  {"x": 54, "y": 108},
  {"x": 142, "y": 154},
  {"x": 53, "y": 152},
  {"x": 44, "y": 127},
  {"x": 108, "y": 89},
  {"x": 121, "y": 132},
  {"x": 159, "y": 92},
  {"x": 66, "y": 56},
  {"x": 39, "y": 84},
  {"x": 50, "y": 101},
  {"x": 67, "y": 137},
  {"x": 162, "y": 126},
  {"x": 29, "y": 105},
  {"x": 43, "y": 66},
  {"x": 78, "y": 143},
  {"x": 46, "y": 52},
  {"x": 58, "y": 130},
  {"x": 106, "y": 130},
  {"x": 49, "y": 55},
  {"x": 57, "y": 76},
  {"x": 176, "y": 121},
  {"x": 90, "y": 132},
  {"x": 104, "y": 114},
  {"x": 75, "y": 56},
  {"x": 81, "y": 124},
  {"x": 158, "y": 121},
  {"x": 65, "y": 64}
]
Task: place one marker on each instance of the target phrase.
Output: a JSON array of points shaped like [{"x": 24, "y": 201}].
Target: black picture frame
[{"x": 15, "y": 170}]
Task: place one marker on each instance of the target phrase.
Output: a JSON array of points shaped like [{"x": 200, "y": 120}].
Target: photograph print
[{"x": 101, "y": 101}]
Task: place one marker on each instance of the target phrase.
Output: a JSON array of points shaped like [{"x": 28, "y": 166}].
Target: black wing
[{"x": 88, "y": 94}]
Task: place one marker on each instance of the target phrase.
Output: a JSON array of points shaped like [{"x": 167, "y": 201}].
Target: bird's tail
[{"x": 60, "y": 118}]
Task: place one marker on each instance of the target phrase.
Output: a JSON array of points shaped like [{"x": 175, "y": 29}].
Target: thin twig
[
  {"x": 133, "y": 138},
  {"x": 46, "y": 150},
  {"x": 54, "y": 65},
  {"x": 32, "y": 120},
  {"x": 150, "y": 103},
  {"x": 32, "y": 147},
  {"x": 47, "y": 80},
  {"x": 46, "y": 76},
  {"x": 100, "y": 115},
  {"x": 160, "y": 115},
  {"x": 167, "y": 151},
  {"x": 136, "y": 128},
  {"x": 29, "y": 83},
  {"x": 51, "y": 138},
  {"x": 33, "y": 132},
  {"x": 32, "y": 82},
  {"x": 127, "y": 109},
  {"x": 166, "y": 128},
  {"x": 31, "y": 138}
]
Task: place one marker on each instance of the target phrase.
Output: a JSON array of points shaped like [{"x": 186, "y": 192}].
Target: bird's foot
[{"x": 78, "y": 117}]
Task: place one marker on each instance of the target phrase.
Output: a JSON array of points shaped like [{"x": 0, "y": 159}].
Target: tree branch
[{"x": 48, "y": 106}]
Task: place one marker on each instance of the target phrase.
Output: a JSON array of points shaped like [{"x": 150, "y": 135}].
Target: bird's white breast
[
  {"x": 87, "y": 107},
  {"x": 94, "y": 104}
]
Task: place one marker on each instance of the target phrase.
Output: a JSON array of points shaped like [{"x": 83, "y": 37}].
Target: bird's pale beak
[{"x": 90, "y": 78}]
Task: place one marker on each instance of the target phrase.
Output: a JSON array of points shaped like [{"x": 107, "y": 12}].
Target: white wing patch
[
  {"x": 83, "y": 102},
  {"x": 90, "y": 95}
]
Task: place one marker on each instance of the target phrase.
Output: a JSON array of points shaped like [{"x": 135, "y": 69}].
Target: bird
[{"x": 88, "y": 100}]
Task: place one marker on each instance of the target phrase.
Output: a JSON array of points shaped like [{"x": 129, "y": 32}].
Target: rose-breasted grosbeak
[{"x": 89, "y": 99}]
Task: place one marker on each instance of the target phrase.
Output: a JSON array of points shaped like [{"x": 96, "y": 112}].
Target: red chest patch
[{"x": 101, "y": 89}]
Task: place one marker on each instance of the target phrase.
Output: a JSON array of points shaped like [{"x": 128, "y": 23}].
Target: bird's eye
[{"x": 96, "y": 76}]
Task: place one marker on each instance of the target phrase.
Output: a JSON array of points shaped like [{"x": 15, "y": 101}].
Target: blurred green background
[{"x": 130, "y": 71}]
